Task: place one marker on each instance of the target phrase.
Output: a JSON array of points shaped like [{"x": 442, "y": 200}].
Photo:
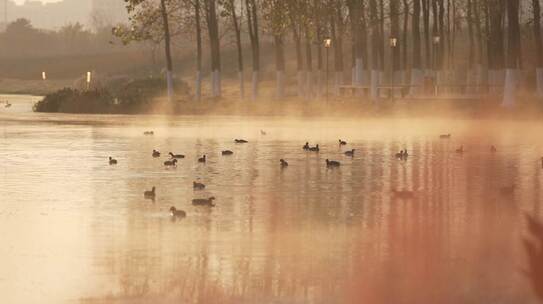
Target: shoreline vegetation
[{"x": 146, "y": 96}]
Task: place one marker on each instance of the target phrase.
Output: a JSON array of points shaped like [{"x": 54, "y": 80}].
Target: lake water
[{"x": 76, "y": 230}]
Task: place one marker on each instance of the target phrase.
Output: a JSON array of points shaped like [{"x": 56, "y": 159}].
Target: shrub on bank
[{"x": 121, "y": 96}]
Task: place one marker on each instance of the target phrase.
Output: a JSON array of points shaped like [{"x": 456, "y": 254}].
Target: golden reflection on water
[{"x": 77, "y": 230}]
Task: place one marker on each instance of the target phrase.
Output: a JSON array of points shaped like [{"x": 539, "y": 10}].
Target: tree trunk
[
  {"x": 375, "y": 49},
  {"x": 355, "y": 8},
  {"x": 213, "y": 29},
  {"x": 417, "y": 74},
  {"x": 426, "y": 22},
  {"x": 308, "y": 63},
  {"x": 318, "y": 31},
  {"x": 252, "y": 23},
  {"x": 237, "y": 30},
  {"x": 513, "y": 54},
  {"x": 394, "y": 33},
  {"x": 471, "y": 50},
  {"x": 404, "y": 59},
  {"x": 197, "y": 11},
  {"x": 495, "y": 43},
  {"x": 169, "y": 65},
  {"x": 337, "y": 38},
  {"x": 280, "y": 66},
  {"x": 538, "y": 46}
]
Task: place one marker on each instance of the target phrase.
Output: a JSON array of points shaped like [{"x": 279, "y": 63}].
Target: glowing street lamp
[
  {"x": 327, "y": 45},
  {"x": 89, "y": 78}
]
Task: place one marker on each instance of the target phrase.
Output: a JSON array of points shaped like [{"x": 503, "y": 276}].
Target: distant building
[{"x": 57, "y": 14}]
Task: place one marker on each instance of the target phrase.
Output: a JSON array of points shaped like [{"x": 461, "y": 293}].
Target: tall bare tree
[
  {"x": 536, "y": 7},
  {"x": 254, "y": 35}
]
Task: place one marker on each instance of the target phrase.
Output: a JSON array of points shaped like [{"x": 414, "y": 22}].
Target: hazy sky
[{"x": 21, "y": 1}]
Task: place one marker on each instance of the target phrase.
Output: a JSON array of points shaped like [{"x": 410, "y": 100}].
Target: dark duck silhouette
[
  {"x": 171, "y": 163},
  {"x": 112, "y": 161},
  {"x": 198, "y": 186},
  {"x": 445, "y": 136},
  {"x": 148, "y": 133},
  {"x": 342, "y": 143},
  {"x": 284, "y": 163},
  {"x": 460, "y": 149},
  {"x": 401, "y": 154},
  {"x": 240, "y": 141},
  {"x": 332, "y": 163},
  {"x": 177, "y": 213},
  {"x": 350, "y": 153},
  {"x": 177, "y": 156},
  {"x": 306, "y": 146},
  {"x": 8, "y": 104},
  {"x": 202, "y": 159},
  {"x": 156, "y": 153},
  {"x": 227, "y": 152},
  {"x": 204, "y": 202},
  {"x": 150, "y": 194},
  {"x": 314, "y": 149}
]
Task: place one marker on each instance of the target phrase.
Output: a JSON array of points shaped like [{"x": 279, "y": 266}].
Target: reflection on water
[{"x": 75, "y": 229}]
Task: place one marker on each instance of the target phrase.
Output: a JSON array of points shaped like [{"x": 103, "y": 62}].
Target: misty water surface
[{"x": 76, "y": 230}]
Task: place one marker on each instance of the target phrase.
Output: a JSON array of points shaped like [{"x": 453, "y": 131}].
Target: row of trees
[
  {"x": 389, "y": 40},
  {"x": 21, "y": 39}
]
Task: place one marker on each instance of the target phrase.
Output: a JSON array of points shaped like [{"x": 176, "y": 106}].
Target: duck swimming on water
[
  {"x": 202, "y": 159},
  {"x": 284, "y": 163},
  {"x": 150, "y": 194},
  {"x": 227, "y": 152},
  {"x": 148, "y": 133},
  {"x": 204, "y": 201},
  {"x": 240, "y": 141},
  {"x": 112, "y": 161},
  {"x": 332, "y": 163},
  {"x": 178, "y": 156},
  {"x": 306, "y": 146},
  {"x": 171, "y": 163},
  {"x": 350, "y": 153},
  {"x": 198, "y": 186},
  {"x": 156, "y": 154},
  {"x": 177, "y": 213},
  {"x": 314, "y": 149},
  {"x": 460, "y": 150},
  {"x": 342, "y": 143},
  {"x": 445, "y": 136}
]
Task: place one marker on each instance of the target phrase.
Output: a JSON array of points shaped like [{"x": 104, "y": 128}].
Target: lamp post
[
  {"x": 89, "y": 78},
  {"x": 327, "y": 45},
  {"x": 436, "y": 40},
  {"x": 393, "y": 43}
]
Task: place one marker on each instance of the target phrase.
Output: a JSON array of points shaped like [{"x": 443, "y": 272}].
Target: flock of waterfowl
[{"x": 173, "y": 160}]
